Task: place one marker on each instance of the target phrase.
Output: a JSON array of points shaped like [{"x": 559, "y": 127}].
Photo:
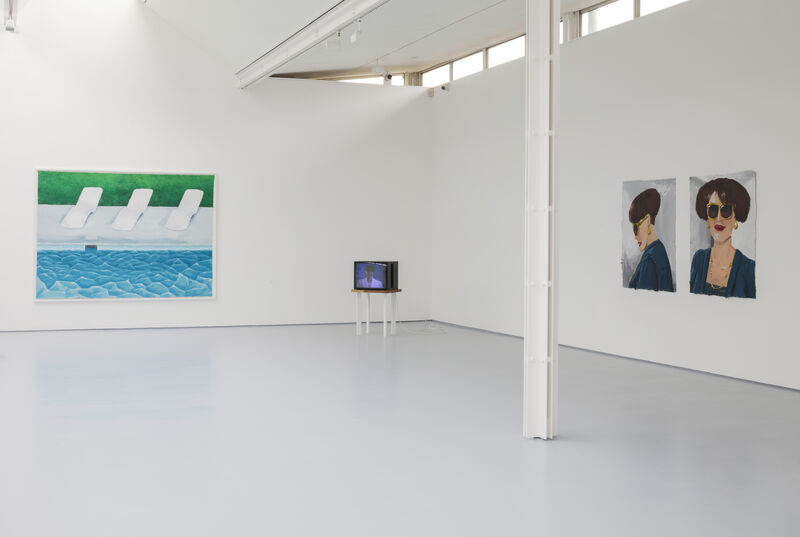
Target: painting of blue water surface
[
  {"x": 124, "y": 274},
  {"x": 124, "y": 236}
]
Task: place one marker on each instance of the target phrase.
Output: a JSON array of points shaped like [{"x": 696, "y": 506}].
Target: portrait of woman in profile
[
  {"x": 723, "y": 270},
  {"x": 653, "y": 271}
]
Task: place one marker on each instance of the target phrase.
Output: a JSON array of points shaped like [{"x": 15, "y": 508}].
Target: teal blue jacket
[
  {"x": 653, "y": 271},
  {"x": 741, "y": 280}
]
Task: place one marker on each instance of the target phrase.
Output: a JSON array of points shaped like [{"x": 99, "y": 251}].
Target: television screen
[{"x": 375, "y": 275}]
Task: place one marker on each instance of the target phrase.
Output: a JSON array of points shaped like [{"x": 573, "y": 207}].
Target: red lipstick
[{"x": 719, "y": 227}]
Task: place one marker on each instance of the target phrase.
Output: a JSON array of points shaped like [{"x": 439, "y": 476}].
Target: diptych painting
[{"x": 124, "y": 236}]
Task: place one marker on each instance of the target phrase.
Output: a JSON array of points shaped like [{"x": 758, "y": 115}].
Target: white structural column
[
  {"x": 572, "y": 25},
  {"x": 541, "y": 347}
]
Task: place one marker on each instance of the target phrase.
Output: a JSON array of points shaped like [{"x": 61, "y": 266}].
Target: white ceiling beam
[{"x": 327, "y": 25}]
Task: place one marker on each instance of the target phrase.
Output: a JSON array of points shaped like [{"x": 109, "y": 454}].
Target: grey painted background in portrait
[
  {"x": 744, "y": 238},
  {"x": 665, "y": 224}
]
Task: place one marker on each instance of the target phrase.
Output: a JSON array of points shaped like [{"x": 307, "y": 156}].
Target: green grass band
[{"x": 64, "y": 188}]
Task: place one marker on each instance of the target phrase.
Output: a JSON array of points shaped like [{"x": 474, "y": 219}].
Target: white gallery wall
[
  {"x": 478, "y": 181},
  {"x": 706, "y": 87},
  {"x": 310, "y": 175}
]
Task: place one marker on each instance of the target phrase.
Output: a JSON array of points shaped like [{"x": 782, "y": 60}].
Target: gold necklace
[{"x": 724, "y": 276}]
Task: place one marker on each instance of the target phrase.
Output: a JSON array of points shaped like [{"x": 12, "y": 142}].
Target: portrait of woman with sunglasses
[
  {"x": 723, "y": 270},
  {"x": 653, "y": 270}
]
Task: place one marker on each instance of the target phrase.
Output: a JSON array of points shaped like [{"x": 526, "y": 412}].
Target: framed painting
[{"x": 107, "y": 236}]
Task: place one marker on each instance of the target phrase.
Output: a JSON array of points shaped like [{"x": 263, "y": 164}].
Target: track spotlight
[
  {"x": 10, "y": 15},
  {"x": 337, "y": 41},
  {"x": 355, "y": 35}
]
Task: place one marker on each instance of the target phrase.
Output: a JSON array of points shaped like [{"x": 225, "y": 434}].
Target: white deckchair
[
  {"x": 181, "y": 216},
  {"x": 128, "y": 217},
  {"x": 86, "y": 205}
]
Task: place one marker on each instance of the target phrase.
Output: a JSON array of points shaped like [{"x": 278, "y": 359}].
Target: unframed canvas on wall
[
  {"x": 723, "y": 235},
  {"x": 648, "y": 235},
  {"x": 124, "y": 236}
]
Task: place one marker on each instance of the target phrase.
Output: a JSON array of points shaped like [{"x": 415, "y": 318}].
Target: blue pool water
[{"x": 123, "y": 273}]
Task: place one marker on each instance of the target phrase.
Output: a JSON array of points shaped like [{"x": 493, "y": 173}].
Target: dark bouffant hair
[
  {"x": 648, "y": 202},
  {"x": 730, "y": 192}
]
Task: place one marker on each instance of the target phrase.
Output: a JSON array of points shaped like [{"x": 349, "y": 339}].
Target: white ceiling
[
  {"x": 239, "y": 31},
  {"x": 401, "y": 35}
]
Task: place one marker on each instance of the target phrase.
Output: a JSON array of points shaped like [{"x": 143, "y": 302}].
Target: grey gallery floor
[{"x": 309, "y": 430}]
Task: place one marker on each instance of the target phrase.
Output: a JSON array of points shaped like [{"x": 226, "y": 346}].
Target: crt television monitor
[{"x": 378, "y": 275}]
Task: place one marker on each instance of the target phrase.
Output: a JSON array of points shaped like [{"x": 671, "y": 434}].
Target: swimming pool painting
[
  {"x": 104, "y": 236},
  {"x": 124, "y": 274}
]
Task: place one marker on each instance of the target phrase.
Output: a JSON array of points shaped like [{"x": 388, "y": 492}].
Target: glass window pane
[
  {"x": 561, "y": 32},
  {"x": 398, "y": 80},
  {"x": 649, "y": 6},
  {"x": 606, "y": 16},
  {"x": 505, "y": 52},
  {"x": 367, "y": 80},
  {"x": 436, "y": 77},
  {"x": 468, "y": 66}
]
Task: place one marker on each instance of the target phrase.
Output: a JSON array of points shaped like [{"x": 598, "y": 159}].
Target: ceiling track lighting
[
  {"x": 326, "y": 27},
  {"x": 10, "y": 15},
  {"x": 338, "y": 40},
  {"x": 357, "y": 33}
]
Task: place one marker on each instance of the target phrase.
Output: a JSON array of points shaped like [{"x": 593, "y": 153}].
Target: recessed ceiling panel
[{"x": 502, "y": 22}]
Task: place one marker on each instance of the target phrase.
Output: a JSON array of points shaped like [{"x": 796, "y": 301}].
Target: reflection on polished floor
[{"x": 310, "y": 430}]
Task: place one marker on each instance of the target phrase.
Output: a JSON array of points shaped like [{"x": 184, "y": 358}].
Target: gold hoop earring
[
  {"x": 650, "y": 230},
  {"x": 736, "y": 225},
  {"x": 708, "y": 224}
]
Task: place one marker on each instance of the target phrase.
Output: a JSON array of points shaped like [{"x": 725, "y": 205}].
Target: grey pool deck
[{"x": 149, "y": 231}]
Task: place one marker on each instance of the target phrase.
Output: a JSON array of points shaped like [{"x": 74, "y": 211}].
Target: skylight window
[
  {"x": 505, "y": 52},
  {"x": 468, "y": 66},
  {"x": 651, "y": 6},
  {"x": 606, "y": 16},
  {"x": 436, "y": 77}
]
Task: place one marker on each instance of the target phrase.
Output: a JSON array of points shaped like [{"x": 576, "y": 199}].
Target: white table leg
[
  {"x": 384, "y": 314},
  {"x": 394, "y": 313},
  {"x": 358, "y": 313},
  {"x": 367, "y": 312}
]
